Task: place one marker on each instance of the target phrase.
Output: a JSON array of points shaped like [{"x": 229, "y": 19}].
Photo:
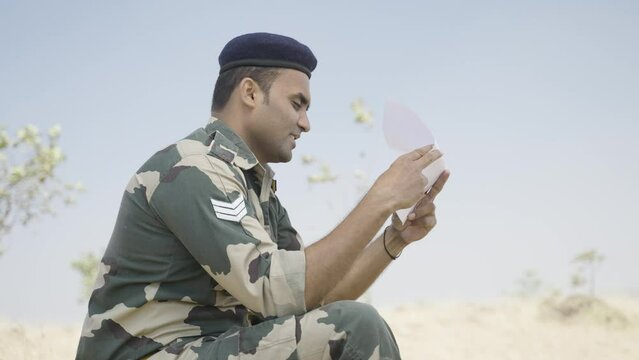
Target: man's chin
[{"x": 283, "y": 158}]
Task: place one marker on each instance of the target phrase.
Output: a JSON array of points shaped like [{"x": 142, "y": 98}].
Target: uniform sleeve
[{"x": 205, "y": 204}]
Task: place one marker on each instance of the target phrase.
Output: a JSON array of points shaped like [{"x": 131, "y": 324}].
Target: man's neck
[{"x": 237, "y": 123}]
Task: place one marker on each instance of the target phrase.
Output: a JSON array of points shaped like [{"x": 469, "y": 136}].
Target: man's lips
[{"x": 295, "y": 137}]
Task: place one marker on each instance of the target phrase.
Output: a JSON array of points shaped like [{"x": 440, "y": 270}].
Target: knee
[
  {"x": 353, "y": 314},
  {"x": 365, "y": 330}
]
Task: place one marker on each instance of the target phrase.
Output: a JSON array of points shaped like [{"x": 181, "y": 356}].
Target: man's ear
[{"x": 249, "y": 92}]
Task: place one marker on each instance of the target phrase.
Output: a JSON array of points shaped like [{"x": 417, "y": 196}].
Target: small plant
[
  {"x": 528, "y": 285},
  {"x": 29, "y": 186},
  {"x": 87, "y": 266},
  {"x": 587, "y": 264}
]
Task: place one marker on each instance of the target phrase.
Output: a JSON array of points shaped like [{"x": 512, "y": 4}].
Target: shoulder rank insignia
[{"x": 234, "y": 211}]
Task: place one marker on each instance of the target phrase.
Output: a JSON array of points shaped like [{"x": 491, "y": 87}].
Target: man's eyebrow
[{"x": 304, "y": 100}]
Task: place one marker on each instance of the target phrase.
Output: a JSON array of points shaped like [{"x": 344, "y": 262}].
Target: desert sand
[{"x": 499, "y": 329}]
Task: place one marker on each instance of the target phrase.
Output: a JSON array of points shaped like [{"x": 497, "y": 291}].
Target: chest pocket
[{"x": 264, "y": 211}]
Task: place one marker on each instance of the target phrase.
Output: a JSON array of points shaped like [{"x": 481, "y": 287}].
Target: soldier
[{"x": 203, "y": 262}]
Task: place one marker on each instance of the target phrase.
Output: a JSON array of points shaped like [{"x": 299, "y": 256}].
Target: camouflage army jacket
[{"x": 201, "y": 244}]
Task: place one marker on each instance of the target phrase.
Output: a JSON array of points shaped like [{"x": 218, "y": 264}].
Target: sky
[{"x": 535, "y": 105}]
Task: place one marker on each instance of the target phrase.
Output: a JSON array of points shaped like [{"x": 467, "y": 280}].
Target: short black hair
[{"x": 228, "y": 80}]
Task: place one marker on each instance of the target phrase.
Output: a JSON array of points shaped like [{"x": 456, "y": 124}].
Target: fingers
[
  {"x": 438, "y": 186},
  {"x": 419, "y": 152},
  {"x": 427, "y": 222},
  {"x": 396, "y": 222},
  {"x": 423, "y": 208},
  {"x": 428, "y": 158}
]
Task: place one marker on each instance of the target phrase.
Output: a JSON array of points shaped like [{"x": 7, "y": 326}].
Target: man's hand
[
  {"x": 329, "y": 262},
  {"x": 422, "y": 219},
  {"x": 402, "y": 185}
]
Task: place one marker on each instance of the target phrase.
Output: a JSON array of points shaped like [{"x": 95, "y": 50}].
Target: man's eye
[{"x": 296, "y": 105}]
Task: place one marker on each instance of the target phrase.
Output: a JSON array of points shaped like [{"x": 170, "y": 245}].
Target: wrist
[
  {"x": 393, "y": 244},
  {"x": 379, "y": 200},
  {"x": 394, "y": 240}
]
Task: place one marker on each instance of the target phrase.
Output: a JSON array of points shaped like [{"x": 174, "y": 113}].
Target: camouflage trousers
[{"x": 340, "y": 330}]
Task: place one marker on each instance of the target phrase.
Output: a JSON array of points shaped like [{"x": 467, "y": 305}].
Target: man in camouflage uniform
[{"x": 203, "y": 262}]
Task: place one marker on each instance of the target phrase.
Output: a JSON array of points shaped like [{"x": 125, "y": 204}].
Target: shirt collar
[{"x": 229, "y": 146}]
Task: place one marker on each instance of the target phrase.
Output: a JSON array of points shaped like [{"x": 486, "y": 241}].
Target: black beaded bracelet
[{"x": 385, "y": 248}]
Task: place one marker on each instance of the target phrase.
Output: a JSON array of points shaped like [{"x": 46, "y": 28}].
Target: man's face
[{"x": 278, "y": 123}]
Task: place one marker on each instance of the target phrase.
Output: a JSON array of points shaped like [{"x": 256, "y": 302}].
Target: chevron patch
[{"x": 234, "y": 211}]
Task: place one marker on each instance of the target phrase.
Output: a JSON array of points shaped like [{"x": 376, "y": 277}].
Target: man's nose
[{"x": 304, "y": 123}]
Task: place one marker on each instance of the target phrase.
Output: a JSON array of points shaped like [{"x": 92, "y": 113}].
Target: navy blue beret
[{"x": 265, "y": 49}]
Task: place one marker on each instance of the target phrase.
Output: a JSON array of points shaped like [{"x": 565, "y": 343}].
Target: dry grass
[
  {"x": 516, "y": 329},
  {"x": 573, "y": 328}
]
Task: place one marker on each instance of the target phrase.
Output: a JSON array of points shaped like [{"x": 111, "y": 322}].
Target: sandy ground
[
  {"x": 512, "y": 330},
  {"x": 501, "y": 329}
]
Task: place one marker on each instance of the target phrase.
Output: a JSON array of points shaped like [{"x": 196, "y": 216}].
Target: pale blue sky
[{"x": 535, "y": 104}]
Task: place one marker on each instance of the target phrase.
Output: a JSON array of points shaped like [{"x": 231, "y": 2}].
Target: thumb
[{"x": 396, "y": 222}]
